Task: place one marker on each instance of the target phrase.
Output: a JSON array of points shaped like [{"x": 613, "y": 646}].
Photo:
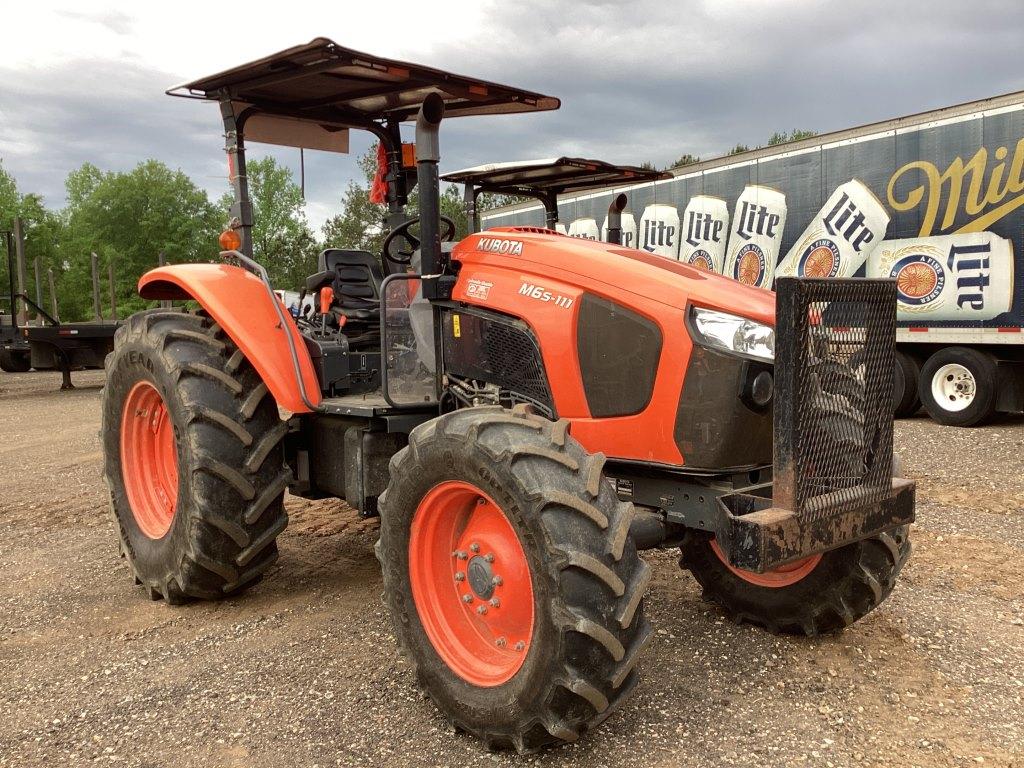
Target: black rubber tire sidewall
[
  {"x": 154, "y": 559},
  {"x": 839, "y": 591},
  {"x": 906, "y": 401},
  {"x": 15, "y": 362},
  {"x": 457, "y": 461}
]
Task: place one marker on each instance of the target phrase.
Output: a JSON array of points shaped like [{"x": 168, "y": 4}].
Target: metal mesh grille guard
[{"x": 834, "y": 363}]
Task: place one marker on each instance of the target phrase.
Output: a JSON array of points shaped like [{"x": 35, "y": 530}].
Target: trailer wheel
[
  {"x": 958, "y": 386},
  {"x": 192, "y": 458},
  {"x": 512, "y": 582},
  {"x": 906, "y": 401},
  {"x": 15, "y": 362},
  {"x": 819, "y": 594}
]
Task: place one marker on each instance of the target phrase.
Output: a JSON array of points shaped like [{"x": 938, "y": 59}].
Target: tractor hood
[{"x": 581, "y": 261}]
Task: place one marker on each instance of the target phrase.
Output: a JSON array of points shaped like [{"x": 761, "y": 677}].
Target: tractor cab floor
[{"x": 369, "y": 404}]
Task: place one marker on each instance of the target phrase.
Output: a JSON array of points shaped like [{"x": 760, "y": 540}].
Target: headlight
[{"x": 732, "y": 333}]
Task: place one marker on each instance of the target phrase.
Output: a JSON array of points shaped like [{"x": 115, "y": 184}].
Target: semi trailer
[{"x": 934, "y": 200}]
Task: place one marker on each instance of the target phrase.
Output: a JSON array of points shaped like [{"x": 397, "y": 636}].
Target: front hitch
[{"x": 833, "y": 478}]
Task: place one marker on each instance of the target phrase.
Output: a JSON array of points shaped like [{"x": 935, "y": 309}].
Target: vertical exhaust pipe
[
  {"x": 428, "y": 154},
  {"x": 618, "y": 205}
]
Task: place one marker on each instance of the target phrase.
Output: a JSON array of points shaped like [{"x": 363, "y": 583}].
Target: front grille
[
  {"x": 496, "y": 350},
  {"x": 834, "y": 364}
]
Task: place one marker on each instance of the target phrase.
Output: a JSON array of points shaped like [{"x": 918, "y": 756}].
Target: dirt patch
[{"x": 302, "y": 670}]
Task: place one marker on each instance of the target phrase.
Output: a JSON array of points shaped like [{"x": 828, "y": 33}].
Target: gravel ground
[{"x": 302, "y": 670}]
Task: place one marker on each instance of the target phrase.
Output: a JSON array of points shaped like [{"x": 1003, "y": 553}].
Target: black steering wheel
[{"x": 393, "y": 251}]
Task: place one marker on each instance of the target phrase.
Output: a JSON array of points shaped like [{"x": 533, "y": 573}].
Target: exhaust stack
[
  {"x": 618, "y": 205},
  {"x": 428, "y": 154}
]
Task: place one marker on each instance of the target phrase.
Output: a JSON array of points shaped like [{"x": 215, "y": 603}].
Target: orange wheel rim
[
  {"x": 471, "y": 583},
  {"x": 783, "y": 576},
  {"x": 149, "y": 460}
]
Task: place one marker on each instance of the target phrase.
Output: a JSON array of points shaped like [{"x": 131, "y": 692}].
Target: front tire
[
  {"x": 556, "y": 651},
  {"x": 822, "y": 594},
  {"x": 192, "y": 458}
]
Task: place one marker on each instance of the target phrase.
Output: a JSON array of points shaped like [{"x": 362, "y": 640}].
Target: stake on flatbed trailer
[
  {"x": 55, "y": 310},
  {"x": 19, "y": 255},
  {"x": 113, "y": 293},
  {"x": 161, "y": 260},
  {"x": 97, "y": 313},
  {"x": 38, "y": 269}
]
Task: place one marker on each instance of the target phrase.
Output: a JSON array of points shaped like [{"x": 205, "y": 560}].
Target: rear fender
[{"x": 239, "y": 302}]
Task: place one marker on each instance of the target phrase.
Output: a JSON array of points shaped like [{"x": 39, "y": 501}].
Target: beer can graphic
[
  {"x": 755, "y": 236},
  {"x": 659, "y": 230},
  {"x": 628, "y": 230},
  {"x": 840, "y": 238},
  {"x": 584, "y": 228},
  {"x": 966, "y": 276},
  {"x": 705, "y": 231}
]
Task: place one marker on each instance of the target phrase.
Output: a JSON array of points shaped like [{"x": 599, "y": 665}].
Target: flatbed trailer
[{"x": 50, "y": 344}]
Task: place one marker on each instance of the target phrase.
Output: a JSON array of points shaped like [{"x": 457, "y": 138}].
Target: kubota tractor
[{"x": 524, "y": 411}]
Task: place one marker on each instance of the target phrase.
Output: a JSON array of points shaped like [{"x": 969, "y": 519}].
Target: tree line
[{"x": 128, "y": 218}]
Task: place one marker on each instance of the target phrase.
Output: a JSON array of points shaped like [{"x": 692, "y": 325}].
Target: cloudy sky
[{"x": 84, "y": 81}]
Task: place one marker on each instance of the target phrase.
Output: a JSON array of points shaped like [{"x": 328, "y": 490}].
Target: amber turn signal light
[{"x": 230, "y": 240}]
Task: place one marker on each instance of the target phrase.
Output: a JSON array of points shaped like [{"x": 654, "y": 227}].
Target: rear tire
[
  {"x": 845, "y": 585},
  {"x": 906, "y": 401},
  {"x": 15, "y": 362},
  {"x": 218, "y": 534},
  {"x": 958, "y": 386},
  {"x": 586, "y": 580}
]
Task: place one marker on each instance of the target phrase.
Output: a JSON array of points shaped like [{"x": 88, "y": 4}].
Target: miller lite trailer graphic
[
  {"x": 839, "y": 240},
  {"x": 659, "y": 230},
  {"x": 705, "y": 231},
  {"x": 950, "y": 277},
  {"x": 950, "y": 181},
  {"x": 628, "y": 230},
  {"x": 757, "y": 224},
  {"x": 584, "y": 228}
]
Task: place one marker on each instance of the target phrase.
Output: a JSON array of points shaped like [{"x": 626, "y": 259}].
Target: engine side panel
[
  {"x": 544, "y": 279},
  {"x": 551, "y": 308}
]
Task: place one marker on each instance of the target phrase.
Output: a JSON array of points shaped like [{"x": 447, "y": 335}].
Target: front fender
[{"x": 238, "y": 301}]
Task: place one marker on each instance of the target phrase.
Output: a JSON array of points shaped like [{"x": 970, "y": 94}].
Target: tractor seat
[{"x": 355, "y": 277}]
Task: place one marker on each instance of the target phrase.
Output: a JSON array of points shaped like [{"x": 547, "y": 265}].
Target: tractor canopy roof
[
  {"x": 551, "y": 176},
  {"x": 311, "y": 94}
]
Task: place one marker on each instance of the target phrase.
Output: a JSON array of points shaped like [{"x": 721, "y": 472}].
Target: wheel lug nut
[
  {"x": 489, "y": 557},
  {"x": 497, "y": 581},
  {"x": 459, "y": 554},
  {"x": 520, "y": 645},
  {"x": 474, "y": 547},
  {"x": 501, "y": 642},
  {"x": 482, "y": 610},
  {"x": 460, "y": 576},
  {"x": 495, "y": 602},
  {"x": 467, "y": 598}
]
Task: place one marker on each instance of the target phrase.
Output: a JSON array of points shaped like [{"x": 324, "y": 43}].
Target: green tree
[
  {"x": 686, "y": 159},
  {"x": 281, "y": 238},
  {"x": 794, "y": 135},
  {"x": 128, "y": 219},
  {"x": 739, "y": 149},
  {"x": 8, "y": 198},
  {"x": 361, "y": 224}
]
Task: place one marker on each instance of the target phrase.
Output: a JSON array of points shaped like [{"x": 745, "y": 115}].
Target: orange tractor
[{"x": 523, "y": 410}]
